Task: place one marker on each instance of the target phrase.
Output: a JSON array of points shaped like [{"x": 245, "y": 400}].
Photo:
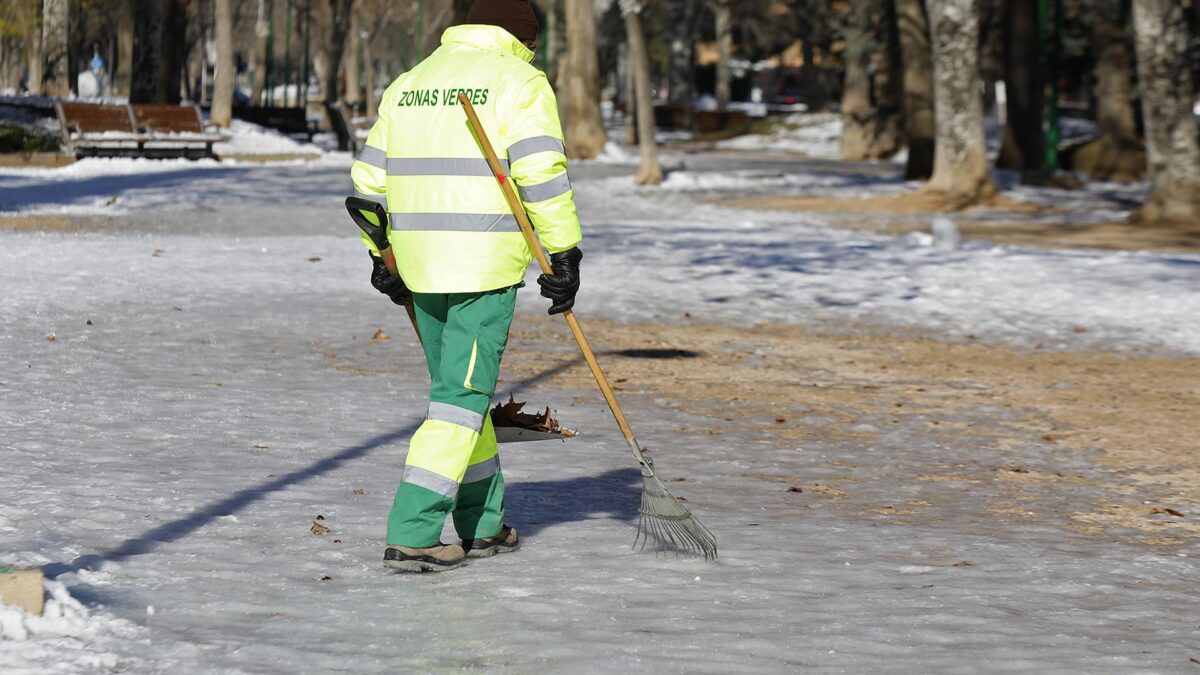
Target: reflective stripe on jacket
[{"x": 450, "y": 226}]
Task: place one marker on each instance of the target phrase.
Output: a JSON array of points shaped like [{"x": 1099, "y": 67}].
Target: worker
[{"x": 461, "y": 258}]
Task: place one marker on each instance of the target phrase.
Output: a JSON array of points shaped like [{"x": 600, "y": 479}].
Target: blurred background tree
[{"x": 934, "y": 78}]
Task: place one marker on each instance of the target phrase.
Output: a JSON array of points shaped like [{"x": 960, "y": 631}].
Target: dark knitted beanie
[{"x": 514, "y": 16}]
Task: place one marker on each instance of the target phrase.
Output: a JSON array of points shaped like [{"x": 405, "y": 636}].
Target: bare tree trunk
[
  {"x": 724, "y": 27},
  {"x": 871, "y": 98},
  {"x": 54, "y": 43},
  {"x": 124, "y": 71},
  {"x": 34, "y": 57},
  {"x": 913, "y": 27},
  {"x": 630, "y": 96},
  {"x": 960, "y": 168},
  {"x": 195, "y": 74},
  {"x": 1022, "y": 145},
  {"x": 856, "y": 86},
  {"x": 350, "y": 63},
  {"x": 262, "y": 31},
  {"x": 173, "y": 51},
  {"x": 1118, "y": 154},
  {"x": 649, "y": 172},
  {"x": 147, "y": 36},
  {"x": 8, "y": 59},
  {"x": 585, "y": 128},
  {"x": 376, "y": 37},
  {"x": 1165, "y": 79},
  {"x": 339, "y": 11},
  {"x": 887, "y": 84},
  {"x": 683, "y": 58},
  {"x": 222, "y": 103}
]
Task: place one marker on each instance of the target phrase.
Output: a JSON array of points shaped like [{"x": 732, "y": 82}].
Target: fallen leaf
[
  {"x": 1166, "y": 510},
  {"x": 511, "y": 414},
  {"x": 359, "y": 491},
  {"x": 380, "y": 335},
  {"x": 314, "y": 259},
  {"x": 1079, "y": 329},
  {"x": 1049, "y": 437},
  {"x": 318, "y": 528},
  {"x": 51, "y": 338},
  {"x": 275, "y": 614}
]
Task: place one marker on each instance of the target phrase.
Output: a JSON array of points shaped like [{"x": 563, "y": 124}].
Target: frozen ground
[{"x": 212, "y": 386}]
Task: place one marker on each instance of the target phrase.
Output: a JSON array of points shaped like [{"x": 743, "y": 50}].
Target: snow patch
[
  {"x": 251, "y": 139},
  {"x": 66, "y": 638}
]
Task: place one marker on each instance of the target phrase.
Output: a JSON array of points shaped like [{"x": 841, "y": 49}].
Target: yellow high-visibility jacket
[{"x": 449, "y": 224}]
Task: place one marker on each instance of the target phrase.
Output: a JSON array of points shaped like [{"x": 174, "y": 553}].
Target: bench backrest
[
  {"x": 165, "y": 118},
  {"x": 92, "y": 118}
]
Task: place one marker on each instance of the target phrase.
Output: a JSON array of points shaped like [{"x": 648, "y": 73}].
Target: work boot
[
  {"x": 437, "y": 558},
  {"x": 505, "y": 542}
]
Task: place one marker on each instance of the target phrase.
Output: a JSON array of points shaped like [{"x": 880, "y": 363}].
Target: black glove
[
  {"x": 562, "y": 286},
  {"x": 385, "y": 283}
]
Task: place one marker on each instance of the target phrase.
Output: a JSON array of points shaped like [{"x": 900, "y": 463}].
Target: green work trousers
[{"x": 453, "y": 466}]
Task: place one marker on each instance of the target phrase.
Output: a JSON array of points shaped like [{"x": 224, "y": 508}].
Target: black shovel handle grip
[{"x": 376, "y": 233}]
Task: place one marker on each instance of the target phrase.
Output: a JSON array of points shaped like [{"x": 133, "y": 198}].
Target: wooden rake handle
[{"x": 518, "y": 210}]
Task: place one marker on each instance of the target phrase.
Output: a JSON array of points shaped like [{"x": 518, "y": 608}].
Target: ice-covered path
[{"x": 211, "y": 389}]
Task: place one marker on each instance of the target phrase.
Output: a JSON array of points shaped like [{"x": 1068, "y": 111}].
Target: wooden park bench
[
  {"x": 288, "y": 121},
  {"x": 142, "y": 130}
]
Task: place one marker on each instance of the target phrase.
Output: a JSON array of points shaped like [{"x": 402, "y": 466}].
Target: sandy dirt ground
[{"x": 1054, "y": 424}]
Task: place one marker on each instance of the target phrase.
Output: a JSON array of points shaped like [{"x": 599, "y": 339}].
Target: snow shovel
[
  {"x": 663, "y": 517},
  {"x": 508, "y": 429}
]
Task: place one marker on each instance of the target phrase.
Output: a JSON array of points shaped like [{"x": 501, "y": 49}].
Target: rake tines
[{"x": 670, "y": 524}]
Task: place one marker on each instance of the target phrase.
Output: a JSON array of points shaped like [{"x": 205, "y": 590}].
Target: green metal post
[
  {"x": 307, "y": 33},
  {"x": 1051, "y": 36},
  {"x": 543, "y": 40},
  {"x": 287, "y": 56}
]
